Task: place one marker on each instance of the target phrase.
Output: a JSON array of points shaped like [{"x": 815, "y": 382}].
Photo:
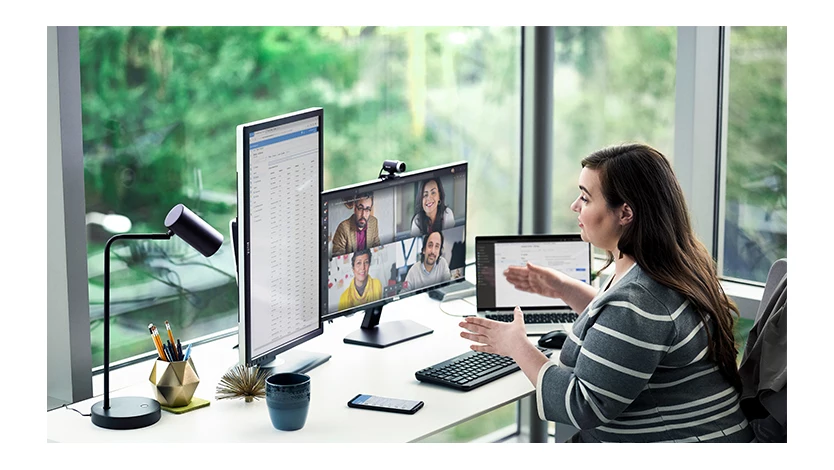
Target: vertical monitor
[
  {"x": 386, "y": 239},
  {"x": 279, "y": 164}
]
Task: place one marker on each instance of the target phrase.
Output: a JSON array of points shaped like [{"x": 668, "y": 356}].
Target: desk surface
[{"x": 352, "y": 369}]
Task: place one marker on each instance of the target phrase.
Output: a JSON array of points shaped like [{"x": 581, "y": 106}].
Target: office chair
[{"x": 764, "y": 364}]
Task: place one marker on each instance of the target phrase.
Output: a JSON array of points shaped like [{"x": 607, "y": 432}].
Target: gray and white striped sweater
[{"x": 635, "y": 369}]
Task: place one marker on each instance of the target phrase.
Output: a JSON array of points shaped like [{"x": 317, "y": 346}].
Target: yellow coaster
[{"x": 195, "y": 403}]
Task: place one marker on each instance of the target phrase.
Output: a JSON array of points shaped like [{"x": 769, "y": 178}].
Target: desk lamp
[{"x": 138, "y": 412}]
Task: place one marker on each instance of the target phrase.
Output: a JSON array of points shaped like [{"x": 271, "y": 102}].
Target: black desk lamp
[{"x": 138, "y": 412}]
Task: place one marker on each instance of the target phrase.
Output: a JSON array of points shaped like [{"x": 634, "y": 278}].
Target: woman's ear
[{"x": 626, "y": 214}]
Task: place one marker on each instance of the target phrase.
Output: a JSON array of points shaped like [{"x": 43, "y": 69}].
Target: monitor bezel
[
  {"x": 243, "y": 227},
  {"x": 376, "y": 185}
]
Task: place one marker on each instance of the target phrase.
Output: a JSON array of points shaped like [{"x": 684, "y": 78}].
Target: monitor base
[
  {"x": 295, "y": 360},
  {"x": 387, "y": 334}
]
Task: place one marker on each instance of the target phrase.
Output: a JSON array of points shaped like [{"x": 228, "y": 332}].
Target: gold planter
[{"x": 174, "y": 382}]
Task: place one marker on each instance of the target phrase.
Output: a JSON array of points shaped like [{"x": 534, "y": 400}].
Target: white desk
[{"x": 351, "y": 370}]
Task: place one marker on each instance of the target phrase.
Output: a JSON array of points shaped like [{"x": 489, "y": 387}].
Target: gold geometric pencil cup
[{"x": 174, "y": 382}]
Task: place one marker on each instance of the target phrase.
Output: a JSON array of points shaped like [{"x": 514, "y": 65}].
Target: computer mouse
[{"x": 553, "y": 340}]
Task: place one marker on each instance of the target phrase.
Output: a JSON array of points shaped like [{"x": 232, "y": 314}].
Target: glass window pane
[
  {"x": 756, "y": 205},
  {"x": 429, "y": 96},
  {"x": 611, "y": 85},
  {"x": 159, "y": 110},
  {"x": 477, "y": 428}
]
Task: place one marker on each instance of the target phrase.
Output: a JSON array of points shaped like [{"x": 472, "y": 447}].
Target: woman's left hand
[{"x": 494, "y": 336}]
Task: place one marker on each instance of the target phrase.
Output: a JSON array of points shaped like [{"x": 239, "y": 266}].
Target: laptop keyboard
[{"x": 536, "y": 317}]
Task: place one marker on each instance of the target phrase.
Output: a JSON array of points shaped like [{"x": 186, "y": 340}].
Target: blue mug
[{"x": 288, "y": 400}]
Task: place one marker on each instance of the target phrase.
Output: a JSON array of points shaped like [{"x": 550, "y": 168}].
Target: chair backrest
[
  {"x": 778, "y": 270},
  {"x": 763, "y": 366}
]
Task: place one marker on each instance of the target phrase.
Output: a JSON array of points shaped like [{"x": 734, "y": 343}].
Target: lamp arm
[{"x": 123, "y": 236}]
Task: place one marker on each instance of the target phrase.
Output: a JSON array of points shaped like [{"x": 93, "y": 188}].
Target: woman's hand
[
  {"x": 496, "y": 337},
  {"x": 537, "y": 279}
]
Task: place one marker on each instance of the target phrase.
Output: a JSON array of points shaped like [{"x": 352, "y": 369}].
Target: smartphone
[{"x": 394, "y": 405}]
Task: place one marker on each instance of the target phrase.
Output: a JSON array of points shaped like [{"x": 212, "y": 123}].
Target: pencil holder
[{"x": 174, "y": 382}]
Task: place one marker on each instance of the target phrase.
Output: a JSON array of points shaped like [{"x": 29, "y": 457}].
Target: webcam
[{"x": 392, "y": 167}]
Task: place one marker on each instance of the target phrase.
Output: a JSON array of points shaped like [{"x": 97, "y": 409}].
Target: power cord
[
  {"x": 73, "y": 409},
  {"x": 465, "y": 299}
]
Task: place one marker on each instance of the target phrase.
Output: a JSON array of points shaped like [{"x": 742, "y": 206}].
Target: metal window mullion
[
  {"x": 536, "y": 169},
  {"x": 68, "y": 310},
  {"x": 698, "y": 108}
]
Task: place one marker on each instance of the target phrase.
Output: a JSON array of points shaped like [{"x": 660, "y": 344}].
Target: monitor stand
[
  {"x": 380, "y": 335},
  {"x": 295, "y": 360}
]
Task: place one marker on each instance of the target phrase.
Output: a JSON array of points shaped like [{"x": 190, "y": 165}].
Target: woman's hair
[
  {"x": 421, "y": 217},
  {"x": 661, "y": 240},
  {"x": 358, "y": 253}
]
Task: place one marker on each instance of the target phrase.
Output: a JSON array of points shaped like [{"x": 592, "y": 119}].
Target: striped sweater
[{"x": 635, "y": 368}]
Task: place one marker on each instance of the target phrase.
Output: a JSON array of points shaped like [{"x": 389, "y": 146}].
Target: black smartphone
[{"x": 394, "y": 405}]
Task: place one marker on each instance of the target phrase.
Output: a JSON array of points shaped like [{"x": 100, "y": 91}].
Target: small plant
[{"x": 244, "y": 382}]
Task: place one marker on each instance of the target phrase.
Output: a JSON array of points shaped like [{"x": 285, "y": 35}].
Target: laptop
[{"x": 496, "y": 298}]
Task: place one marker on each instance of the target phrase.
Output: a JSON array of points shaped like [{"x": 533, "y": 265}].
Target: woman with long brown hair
[
  {"x": 652, "y": 356},
  {"x": 432, "y": 213}
]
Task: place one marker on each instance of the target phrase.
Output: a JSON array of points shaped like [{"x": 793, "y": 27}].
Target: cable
[
  {"x": 454, "y": 314},
  {"x": 73, "y": 409}
]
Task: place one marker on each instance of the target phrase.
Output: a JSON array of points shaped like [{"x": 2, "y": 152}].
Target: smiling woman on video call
[
  {"x": 652, "y": 356},
  {"x": 432, "y": 212}
]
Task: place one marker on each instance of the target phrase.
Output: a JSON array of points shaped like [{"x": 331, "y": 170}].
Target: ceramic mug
[{"x": 288, "y": 400}]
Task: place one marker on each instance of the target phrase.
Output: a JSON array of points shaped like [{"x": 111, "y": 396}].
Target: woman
[
  {"x": 652, "y": 356},
  {"x": 433, "y": 214},
  {"x": 362, "y": 288}
]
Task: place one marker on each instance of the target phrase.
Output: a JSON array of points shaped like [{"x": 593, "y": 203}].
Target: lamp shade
[{"x": 194, "y": 230}]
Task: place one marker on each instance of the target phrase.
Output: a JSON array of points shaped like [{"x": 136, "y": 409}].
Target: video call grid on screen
[
  {"x": 494, "y": 257},
  {"x": 400, "y": 246},
  {"x": 282, "y": 196}
]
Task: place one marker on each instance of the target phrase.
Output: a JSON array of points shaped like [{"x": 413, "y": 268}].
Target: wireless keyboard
[
  {"x": 470, "y": 370},
  {"x": 535, "y": 318}
]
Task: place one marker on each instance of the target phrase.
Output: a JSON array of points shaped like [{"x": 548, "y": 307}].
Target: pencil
[
  {"x": 171, "y": 338},
  {"x": 159, "y": 341},
  {"x": 156, "y": 342},
  {"x": 159, "y": 344}
]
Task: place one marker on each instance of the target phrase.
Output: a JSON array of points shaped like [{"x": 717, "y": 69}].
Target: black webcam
[{"x": 392, "y": 167}]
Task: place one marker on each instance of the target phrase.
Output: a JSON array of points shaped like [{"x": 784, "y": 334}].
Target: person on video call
[
  {"x": 652, "y": 355},
  {"x": 359, "y": 231},
  {"x": 432, "y": 214},
  {"x": 362, "y": 288},
  {"x": 433, "y": 268}
]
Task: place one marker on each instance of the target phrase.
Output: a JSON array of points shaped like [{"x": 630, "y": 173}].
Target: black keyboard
[
  {"x": 533, "y": 318},
  {"x": 470, "y": 370}
]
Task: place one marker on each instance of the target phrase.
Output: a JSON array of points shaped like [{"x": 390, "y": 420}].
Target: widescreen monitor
[
  {"x": 279, "y": 165},
  {"x": 385, "y": 239}
]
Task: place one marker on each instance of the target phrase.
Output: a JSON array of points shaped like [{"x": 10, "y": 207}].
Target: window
[
  {"x": 756, "y": 204},
  {"x": 611, "y": 85},
  {"x": 159, "y": 109}
]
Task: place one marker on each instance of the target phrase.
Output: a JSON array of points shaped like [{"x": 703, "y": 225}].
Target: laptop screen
[{"x": 493, "y": 254}]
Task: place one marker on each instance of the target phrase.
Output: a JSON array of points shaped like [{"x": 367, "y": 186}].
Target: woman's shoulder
[
  {"x": 638, "y": 289},
  {"x": 448, "y": 218}
]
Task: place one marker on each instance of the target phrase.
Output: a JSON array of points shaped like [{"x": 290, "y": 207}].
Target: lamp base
[{"x": 126, "y": 413}]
